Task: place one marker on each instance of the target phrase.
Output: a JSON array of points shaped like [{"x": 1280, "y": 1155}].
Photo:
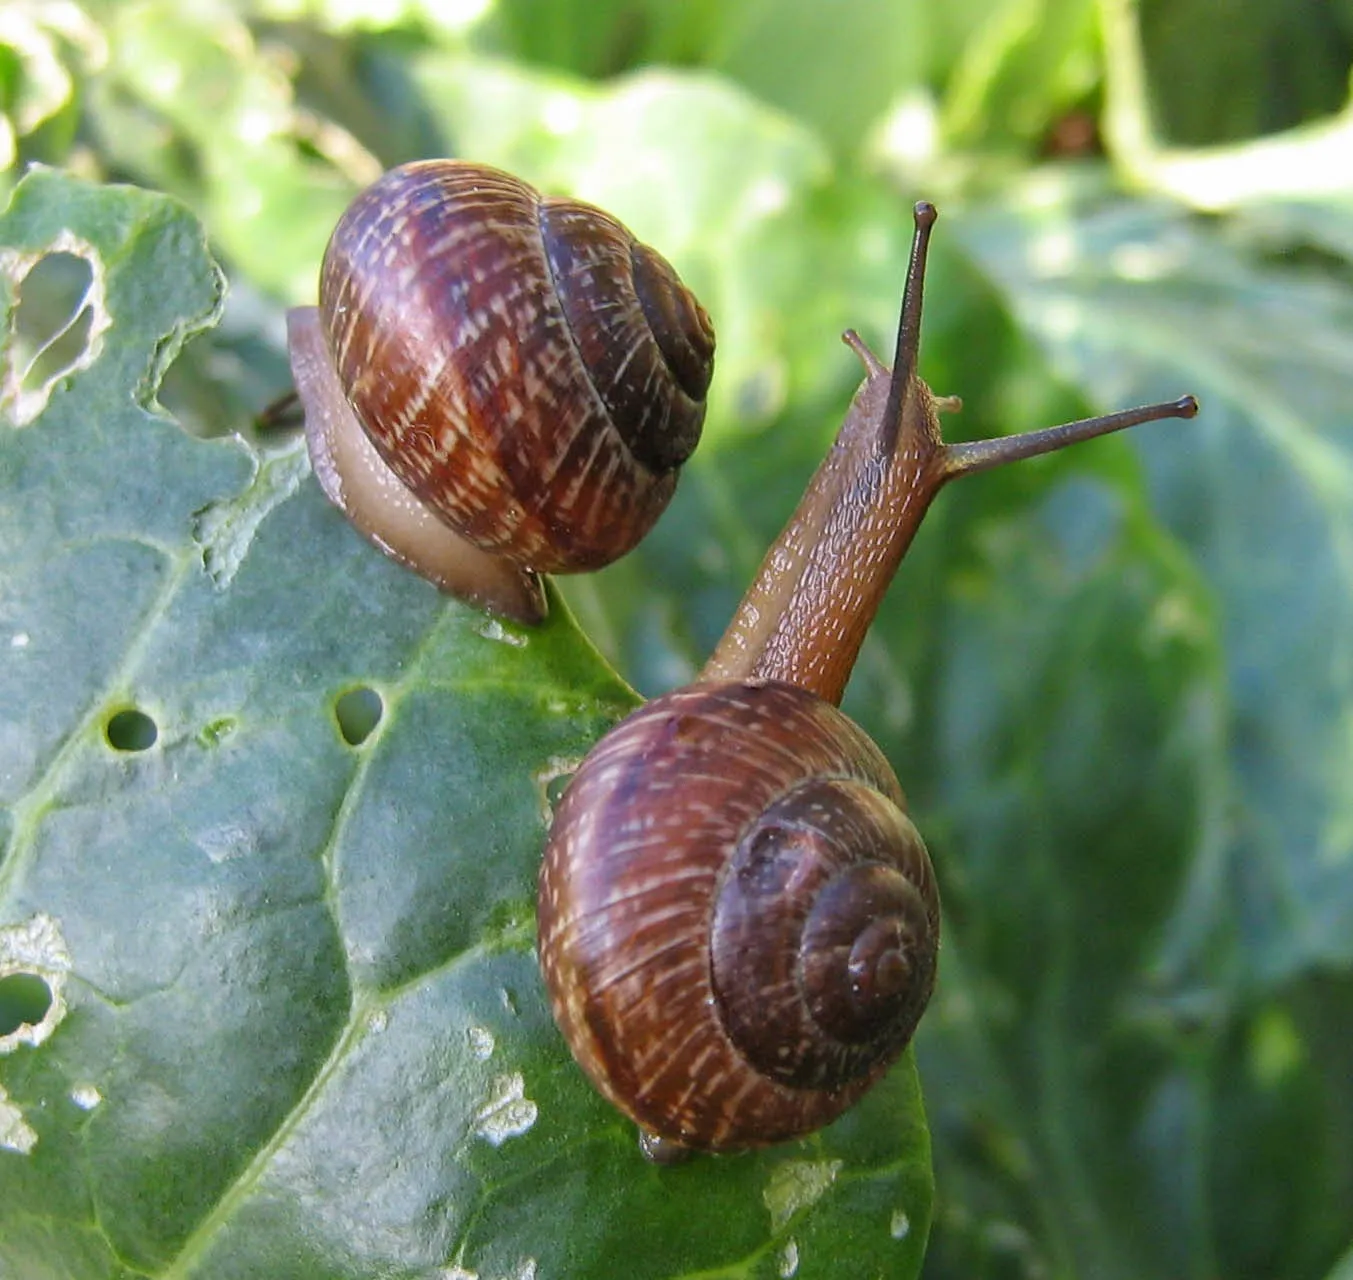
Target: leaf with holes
[{"x": 270, "y": 817}]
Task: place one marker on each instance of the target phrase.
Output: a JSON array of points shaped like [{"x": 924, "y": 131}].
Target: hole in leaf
[
  {"x": 53, "y": 319},
  {"x": 24, "y": 1000},
  {"x": 131, "y": 730},
  {"x": 58, "y": 357},
  {"x": 358, "y": 711}
]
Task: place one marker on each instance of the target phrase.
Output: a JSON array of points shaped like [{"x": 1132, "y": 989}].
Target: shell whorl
[
  {"x": 526, "y": 368},
  {"x": 738, "y": 922}
]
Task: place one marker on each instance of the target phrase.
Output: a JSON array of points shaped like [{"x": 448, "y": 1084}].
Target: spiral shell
[
  {"x": 738, "y": 922},
  {"x": 527, "y": 368}
]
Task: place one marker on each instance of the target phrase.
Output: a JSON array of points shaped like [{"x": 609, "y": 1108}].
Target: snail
[
  {"x": 496, "y": 384},
  {"x": 738, "y": 922}
]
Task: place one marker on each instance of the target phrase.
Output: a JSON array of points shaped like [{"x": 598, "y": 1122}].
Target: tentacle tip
[
  {"x": 925, "y": 214},
  {"x": 873, "y": 366},
  {"x": 1186, "y": 407}
]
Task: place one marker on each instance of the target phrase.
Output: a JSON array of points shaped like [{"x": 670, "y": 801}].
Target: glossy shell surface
[
  {"x": 524, "y": 365},
  {"x": 700, "y": 927}
]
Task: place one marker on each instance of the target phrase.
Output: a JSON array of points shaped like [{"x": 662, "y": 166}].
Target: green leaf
[
  {"x": 1141, "y": 754},
  {"x": 40, "y": 51},
  {"x": 1260, "y": 489},
  {"x": 1026, "y": 62},
  {"x": 196, "y": 108},
  {"x": 1267, "y": 67},
  {"x": 850, "y": 62},
  {"x": 295, "y": 1024}
]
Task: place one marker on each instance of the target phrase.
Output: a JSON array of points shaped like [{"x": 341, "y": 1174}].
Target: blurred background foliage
[{"x": 1118, "y": 684}]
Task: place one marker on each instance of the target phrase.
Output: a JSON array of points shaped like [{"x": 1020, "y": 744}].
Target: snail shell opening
[
  {"x": 523, "y": 365},
  {"x": 738, "y": 922}
]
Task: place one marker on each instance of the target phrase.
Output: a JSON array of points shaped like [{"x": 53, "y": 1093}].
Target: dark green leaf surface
[
  {"x": 1266, "y": 67},
  {"x": 297, "y": 1027},
  {"x": 1183, "y": 867},
  {"x": 1261, "y": 494}
]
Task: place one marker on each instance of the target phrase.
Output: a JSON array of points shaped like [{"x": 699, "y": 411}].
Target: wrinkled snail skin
[
  {"x": 527, "y": 371},
  {"x": 723, "y": 853},
  {"x": 739, "y": 924}
]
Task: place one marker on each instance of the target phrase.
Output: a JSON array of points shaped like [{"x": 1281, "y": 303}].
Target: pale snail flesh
[
  {"x": 497, "y": 384},
  {"x": 738, "y": 923}
]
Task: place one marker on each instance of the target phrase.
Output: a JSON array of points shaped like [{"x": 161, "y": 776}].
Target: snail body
[
  {"x": 497, "y": 384},
  {"x": 738, "y": 923}
]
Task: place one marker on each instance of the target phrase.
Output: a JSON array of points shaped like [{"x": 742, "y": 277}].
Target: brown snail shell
[
  {"x": 738, "y": 921},
  {"x": 530, "y": 374}
]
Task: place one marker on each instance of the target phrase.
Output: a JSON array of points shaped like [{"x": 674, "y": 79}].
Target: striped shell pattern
[
  {"x": 525, "y": 366},
  {"x": 738, "y": 922}
]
